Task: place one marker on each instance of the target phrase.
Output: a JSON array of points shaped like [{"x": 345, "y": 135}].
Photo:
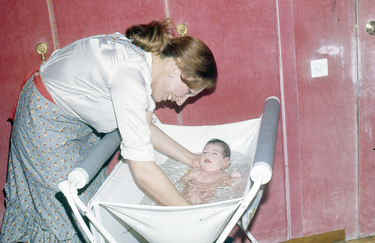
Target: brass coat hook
[
  {"x": 370, "y": 28},
  {"x": 42, "y": 49},
  {"x": 181, "y": 29}
]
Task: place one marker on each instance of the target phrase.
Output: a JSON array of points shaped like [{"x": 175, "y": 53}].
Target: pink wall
[
  {"x": 366, "y": 100},
  {"x": 21, "y": 21},
  {"x": 324, "y": 168},
  {"x": 327, "y": 118}
]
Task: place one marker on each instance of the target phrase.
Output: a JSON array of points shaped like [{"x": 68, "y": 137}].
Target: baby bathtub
[{"x": 116, "y": 216}]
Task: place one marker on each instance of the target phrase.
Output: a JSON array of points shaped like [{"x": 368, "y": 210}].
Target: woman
[{"x": 93, "y": 86}]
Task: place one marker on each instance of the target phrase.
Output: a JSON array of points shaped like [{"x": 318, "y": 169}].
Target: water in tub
[{"x": 215, "y": 193}]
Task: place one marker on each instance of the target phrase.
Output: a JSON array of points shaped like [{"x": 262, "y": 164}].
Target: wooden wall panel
[
  {"x": 366, "y": 84},
  {"x": 75, "y": 19},
  {"x": 327, "y": 116},
  {"x": 243, "y": 38}
]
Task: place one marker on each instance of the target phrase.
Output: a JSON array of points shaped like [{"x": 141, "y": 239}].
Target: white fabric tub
[{"x": 116, "y": 204}]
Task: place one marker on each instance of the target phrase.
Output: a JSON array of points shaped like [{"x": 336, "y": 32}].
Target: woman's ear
[{"x": 172, "y": 67}]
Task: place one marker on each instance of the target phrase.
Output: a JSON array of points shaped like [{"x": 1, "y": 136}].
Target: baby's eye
[{"x": 189, "y": 92}]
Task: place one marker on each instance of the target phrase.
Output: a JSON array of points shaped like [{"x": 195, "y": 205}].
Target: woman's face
[{"x": 168, "y": 86}]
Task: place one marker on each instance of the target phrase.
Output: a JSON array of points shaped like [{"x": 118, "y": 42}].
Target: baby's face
[{"x": 212, "y": 158}]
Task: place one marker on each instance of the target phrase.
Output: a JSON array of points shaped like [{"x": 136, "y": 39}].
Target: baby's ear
[{"x": 226, "y": 163}]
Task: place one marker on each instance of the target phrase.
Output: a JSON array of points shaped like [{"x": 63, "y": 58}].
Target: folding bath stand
[{"x": 115, "y": 212}]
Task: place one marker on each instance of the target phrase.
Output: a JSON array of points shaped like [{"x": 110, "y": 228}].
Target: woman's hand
[{"x": 195, "y": 161}]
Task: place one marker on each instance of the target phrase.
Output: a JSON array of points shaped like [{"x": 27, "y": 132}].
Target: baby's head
[{"x": 215, "y": 156}]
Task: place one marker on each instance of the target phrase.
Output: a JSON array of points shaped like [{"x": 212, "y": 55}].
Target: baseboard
[{"x": 328, "y": 237}]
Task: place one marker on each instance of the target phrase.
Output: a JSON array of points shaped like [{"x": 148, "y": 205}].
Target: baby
[{"x": 204, "y": 179}]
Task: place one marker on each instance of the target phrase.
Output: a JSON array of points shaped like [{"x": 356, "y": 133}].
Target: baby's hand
[
  {"x": 194, "y": 175},
  {"x": 236, "y": 174},
  {"x": 191, "y": 176},
  {"x": 185, "y": 178}
]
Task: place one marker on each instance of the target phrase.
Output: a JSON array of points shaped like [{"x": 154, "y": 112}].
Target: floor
[
  {"x": 370, "y": 239},
  {"x": 337, "y": 236}
]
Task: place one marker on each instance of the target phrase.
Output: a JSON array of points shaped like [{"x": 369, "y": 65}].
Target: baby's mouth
[{"x": 207, "y": 161}]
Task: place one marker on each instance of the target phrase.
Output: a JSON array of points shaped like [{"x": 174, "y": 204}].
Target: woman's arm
[
  {"x": 148, "y": 175},
  {"x": 130, "y": 99},
  {"x": 154, "y": 183},
  {"x": 166, "y": 145}
]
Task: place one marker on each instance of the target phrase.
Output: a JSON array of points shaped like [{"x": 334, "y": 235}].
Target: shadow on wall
[{"x": 191, "y": 100}]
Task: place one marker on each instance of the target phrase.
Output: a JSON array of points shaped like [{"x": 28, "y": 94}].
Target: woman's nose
[{"x": 181, "y": 100}]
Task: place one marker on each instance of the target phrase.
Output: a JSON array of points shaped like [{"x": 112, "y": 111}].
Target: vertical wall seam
[
  {"x": 168, "y": 16},
  {"x": 166, "y": 8},
  {"x": 358, "y": 128},
  {"x": 52, "y": 21},
  {"x": 285, "y": 141}
]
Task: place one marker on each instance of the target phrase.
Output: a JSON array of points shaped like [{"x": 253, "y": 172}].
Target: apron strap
[{"x": 38, "y": 84}]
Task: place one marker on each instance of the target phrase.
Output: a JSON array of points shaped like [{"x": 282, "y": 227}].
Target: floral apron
[{"x": 46, "y": 143}]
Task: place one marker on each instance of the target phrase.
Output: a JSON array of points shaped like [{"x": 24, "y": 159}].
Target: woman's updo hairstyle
[{"x": 192, "y": 56}]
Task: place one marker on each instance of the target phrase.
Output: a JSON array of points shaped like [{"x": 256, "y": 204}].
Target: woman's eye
[{"x": 189, "y": 92}]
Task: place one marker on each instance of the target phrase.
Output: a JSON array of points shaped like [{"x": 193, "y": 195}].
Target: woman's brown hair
[{"x": 192, "y": 56}]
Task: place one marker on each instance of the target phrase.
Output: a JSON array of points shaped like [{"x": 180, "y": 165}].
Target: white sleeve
[{"x": 130, "y": 98}]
